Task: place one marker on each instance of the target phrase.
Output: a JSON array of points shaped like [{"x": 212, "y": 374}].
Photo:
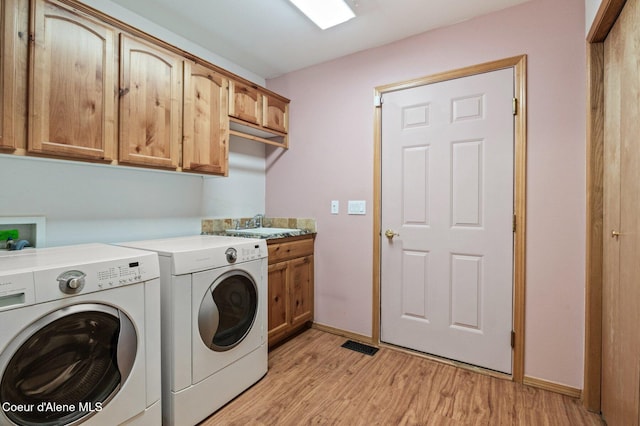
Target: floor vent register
[{"x": 360, "y": 347}]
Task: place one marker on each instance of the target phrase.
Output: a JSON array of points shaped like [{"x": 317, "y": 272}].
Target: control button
[
  {"x": 232, "y": 255},
  {"x": 71, "y": 282}
]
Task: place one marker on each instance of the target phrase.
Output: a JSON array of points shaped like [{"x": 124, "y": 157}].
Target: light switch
[
  {"x": 335, "y": 206},
  {"x": 357, "y": 207}
]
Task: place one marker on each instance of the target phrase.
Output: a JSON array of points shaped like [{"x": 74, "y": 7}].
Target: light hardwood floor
[{"x": 312, "y": 380}]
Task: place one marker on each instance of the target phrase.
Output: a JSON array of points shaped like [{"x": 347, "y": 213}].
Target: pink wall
[{"x": 331, "y": 157}]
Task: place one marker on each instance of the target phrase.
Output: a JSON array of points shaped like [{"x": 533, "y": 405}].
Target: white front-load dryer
[
  {"x": 214, "y": 320},
  {"x": 79, "y": 337}
]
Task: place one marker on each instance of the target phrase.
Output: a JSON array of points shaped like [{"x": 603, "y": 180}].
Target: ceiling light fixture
[{"x": 325, "y": 13}]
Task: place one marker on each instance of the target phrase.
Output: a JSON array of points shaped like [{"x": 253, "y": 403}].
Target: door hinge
[
  {"x": 513, "y": 339},
  {"x": 514, "y": 106},
  {"x": 377, "y": 101},
  {"x": 514, "y": 222}
]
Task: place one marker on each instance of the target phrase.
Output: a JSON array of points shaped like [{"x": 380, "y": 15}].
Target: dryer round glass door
[
  {"x": 228, "y": 310},
  {"x": 66, "y": 366}
]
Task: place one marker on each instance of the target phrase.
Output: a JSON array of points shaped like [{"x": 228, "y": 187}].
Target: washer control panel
[
  {"x": 249, "y": 252},
  {"x": 64, "y": 282},
  {"x": 16, "y": 290}
]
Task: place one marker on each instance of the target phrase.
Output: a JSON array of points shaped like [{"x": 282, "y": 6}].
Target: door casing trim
[
  {"x": 605, "y": 19},
  {"x": 519, "y": 65}
]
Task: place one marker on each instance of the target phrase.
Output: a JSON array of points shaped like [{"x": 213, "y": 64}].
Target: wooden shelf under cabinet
[{"x": 290, "y": 306}]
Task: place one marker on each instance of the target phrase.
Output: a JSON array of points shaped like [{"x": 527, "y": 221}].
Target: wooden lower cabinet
[{"x": 290, "y": 287}]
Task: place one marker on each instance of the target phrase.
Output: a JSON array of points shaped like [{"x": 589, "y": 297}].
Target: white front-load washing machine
[
  {"x": 214, "y": 320},
  {"x": 80, "y": 336}
]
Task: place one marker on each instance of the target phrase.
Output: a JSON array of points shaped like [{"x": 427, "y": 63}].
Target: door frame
[
  {"x": 604, "y": 20},
  {"x": 519, "y": 64}
]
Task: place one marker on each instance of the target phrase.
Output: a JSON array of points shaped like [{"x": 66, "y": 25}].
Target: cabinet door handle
[{"x": 124, "y": 91}]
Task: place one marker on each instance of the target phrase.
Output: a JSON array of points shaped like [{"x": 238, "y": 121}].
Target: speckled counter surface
[{"x": 298, "y": 226}]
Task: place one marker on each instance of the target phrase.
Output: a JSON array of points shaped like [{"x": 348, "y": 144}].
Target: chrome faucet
[{"x": 256, "y": 221}]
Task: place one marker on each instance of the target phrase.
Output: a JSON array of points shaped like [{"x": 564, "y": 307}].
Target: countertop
[
  {"x": 293, "y": 233},
  {"x": 298, "y": 226}
]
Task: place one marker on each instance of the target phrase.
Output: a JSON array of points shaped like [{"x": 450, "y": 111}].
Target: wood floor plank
[{"x": 314, "y": 381}]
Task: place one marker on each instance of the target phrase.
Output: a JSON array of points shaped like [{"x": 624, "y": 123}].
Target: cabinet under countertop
[{"x": 291, "y": 286}]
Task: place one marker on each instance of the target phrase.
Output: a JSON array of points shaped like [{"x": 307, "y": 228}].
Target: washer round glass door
[
  {"x": 228, "y": 310},
  {"x": 66, "y": 366}
]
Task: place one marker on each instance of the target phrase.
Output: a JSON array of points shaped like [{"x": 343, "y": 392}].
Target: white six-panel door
[{"x": 447, "y": 192}]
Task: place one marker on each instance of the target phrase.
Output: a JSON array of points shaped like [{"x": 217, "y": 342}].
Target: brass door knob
[
  {"x": 615, "y": 234},
  {"x": 390, "y": 234}
]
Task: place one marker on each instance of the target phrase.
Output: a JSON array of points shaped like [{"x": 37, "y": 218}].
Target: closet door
[{"x": 621, "y": 289}]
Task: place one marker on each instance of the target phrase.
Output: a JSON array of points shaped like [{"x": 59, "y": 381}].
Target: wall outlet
[{"x": 335, "y": 206}]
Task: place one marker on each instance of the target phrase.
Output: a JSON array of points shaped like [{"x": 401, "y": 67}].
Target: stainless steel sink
[{"x": 263, "y": 231}]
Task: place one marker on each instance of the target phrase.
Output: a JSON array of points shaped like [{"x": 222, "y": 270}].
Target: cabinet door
[
  {"x": 72, "y": 73},
  {"x": 275, "y": 114},
  {"x": 13, "y": 73},
  {"x": 150, "y": 104},
  {"x": 245, "y": 102},
  {"x": 278, "y": 306},
  {"x": 301, "y": 290},
  {"x": 206, "y": 127}
]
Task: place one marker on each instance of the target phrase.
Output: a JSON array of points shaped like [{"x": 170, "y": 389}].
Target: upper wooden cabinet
[
  {"x": 275, "y": 113},
  {"x": 78, "y": 84},
  {"x": 150, "y": 104},
  {"x": 258, "y": 114},
  {"x": 206, "y": 126},
  {"x": 245, "y": 102},
  {"x": 72, "y": 77},
  {"x": 14, "y": 26}
]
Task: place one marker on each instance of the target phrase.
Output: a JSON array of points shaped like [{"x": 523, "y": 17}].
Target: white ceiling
[{"x": 271, "y": 37}]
